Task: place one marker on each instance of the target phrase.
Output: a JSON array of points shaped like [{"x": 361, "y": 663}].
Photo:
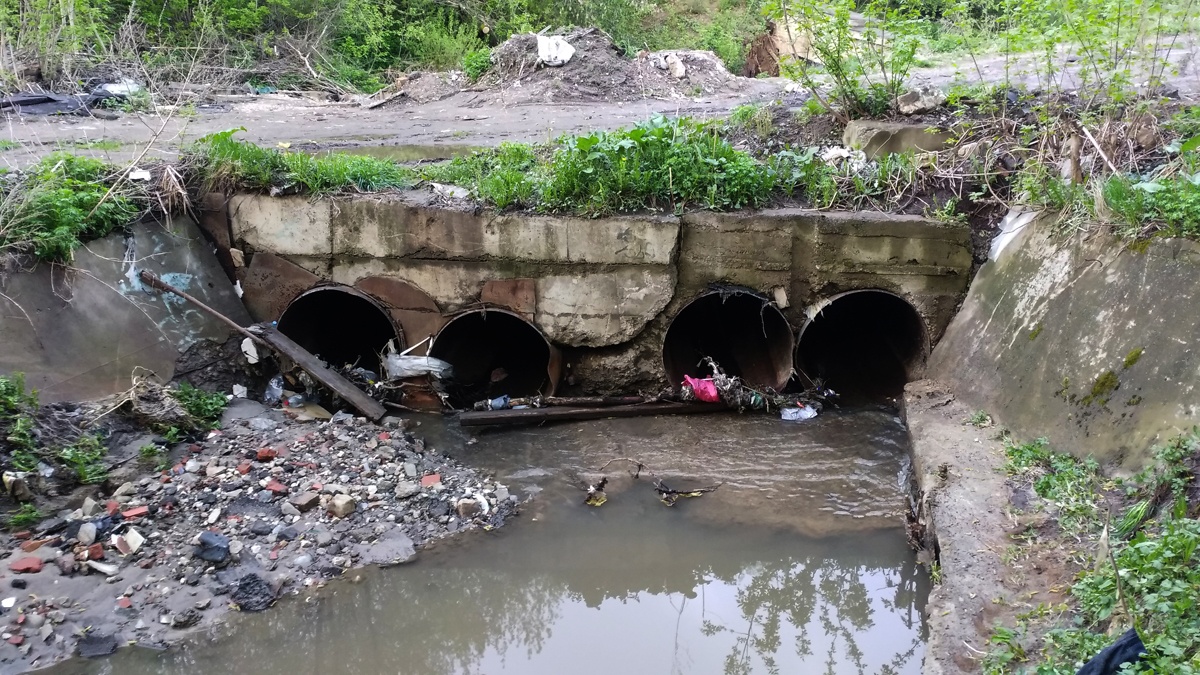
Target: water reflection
[{"x": 633, "y": 587}]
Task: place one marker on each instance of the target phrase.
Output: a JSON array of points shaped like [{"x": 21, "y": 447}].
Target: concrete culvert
[
  {"x": 741, "y": 330},
  {"x": 341, "y": 325},
  {"x": 496, "y": 352},
  {"x": 863, "y": 344}
]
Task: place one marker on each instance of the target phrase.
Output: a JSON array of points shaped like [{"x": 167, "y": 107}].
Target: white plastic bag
[
  {"x": 415, "y": 366},
  {"x": 554, "y": 50},
  {"x": 800, "y": 414}
]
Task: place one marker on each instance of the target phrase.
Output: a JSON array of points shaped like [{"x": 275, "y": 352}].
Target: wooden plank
[
  {"x": 369, "y": 407},
  {"x": 538, "y": 415}
]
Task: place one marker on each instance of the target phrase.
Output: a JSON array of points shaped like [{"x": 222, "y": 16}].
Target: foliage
[
  {"x": 868, "y": 67},
  {"x": 26, "y": 515},
  {"x": 477, "y": 62},
  {"x": 206, "y": 408},
  {"x": 61, "y": 202},
  {"x": 16, "y": 422},
  {"x": 1069, "y": 484},
  {"x": 84, "y": 458},
  {"x": 220, "y": 162},
  {"x": 753, "y": 117},
  {"x": 1148, "y": 583},
  {"x": 979, "y": 419}
]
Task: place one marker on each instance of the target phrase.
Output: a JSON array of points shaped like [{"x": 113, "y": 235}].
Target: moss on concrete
[
  {"x": 1037, "y": 330},
  {"x": 1102, "y": 389},
  {"x": 1132, "y": 357}
]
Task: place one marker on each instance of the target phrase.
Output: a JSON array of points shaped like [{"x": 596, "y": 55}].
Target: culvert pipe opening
[
  {"x": 341, "y": 325},
  {"x": 864, "y": 344},
  {"x": 742, "y": 331},
  {"x": 495, "y": 353}
]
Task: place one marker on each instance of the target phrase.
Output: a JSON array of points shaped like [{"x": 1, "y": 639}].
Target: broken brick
[
  {"x": 112, "y": 506},
  {"x": 136, "y": 512},
  {"x": 276, "y": 487},
  {"x": 96, "y": 551},
  {"x": 243, "y": 468},
  {"x": 26, "y": 565},
  {"x": 431, "y": 479},
  {"x": 16, "y": 640},
  {"x": 385, "y": 436},
  {"x": 23, "y": 534},
  {"x": 125, "y": 603},
  {"x": 267, "y": 454},
  {"x": 33, "y": 545}
]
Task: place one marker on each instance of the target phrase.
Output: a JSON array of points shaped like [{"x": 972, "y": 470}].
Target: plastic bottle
[
  {"x": 274, "y": 391},
  {"x": 295, "y": 400}
]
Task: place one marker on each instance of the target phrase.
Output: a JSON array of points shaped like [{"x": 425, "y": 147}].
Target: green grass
[
  {"x": 1070, "y": 485},
  {"x": 16, "y": 422},
  {"x": 224, "y": 163},
  {"x": 753, "y": 117},
  {"x": 59, "y": 203},
  {"x": 477, "y": 62},
  {"x": 26, "y": 515},
  {"x": 7, "y": 144}
]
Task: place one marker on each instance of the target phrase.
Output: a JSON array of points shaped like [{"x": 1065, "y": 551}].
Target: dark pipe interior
[
  {"x": 493, "y": 354},
  {"x": 864, "y": 345},
  {"x": 339, "y": 326},
  {"x": 744, "y": 334}
]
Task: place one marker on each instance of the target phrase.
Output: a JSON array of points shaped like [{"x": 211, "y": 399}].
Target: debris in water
[
  {"x": 595, "y": 493},
  {"x": 800, "y": 414}
]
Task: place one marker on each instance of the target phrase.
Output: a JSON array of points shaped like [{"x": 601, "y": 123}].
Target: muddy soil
[{"x": 971, "y": 522}]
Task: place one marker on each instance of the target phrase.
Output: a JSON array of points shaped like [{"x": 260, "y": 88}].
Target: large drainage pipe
[
  {"x": 863, "y": 344},
  {"x": 740, "y": 329},
  {"x": 340, "y": 324},
  {"x": 496, "y": 352}
]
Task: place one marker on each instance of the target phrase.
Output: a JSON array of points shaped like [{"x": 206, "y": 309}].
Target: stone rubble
[{"x": 263, "y": 507}]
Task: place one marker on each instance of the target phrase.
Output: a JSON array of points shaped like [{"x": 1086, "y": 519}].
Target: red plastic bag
[{"x": 705, "y": 389}]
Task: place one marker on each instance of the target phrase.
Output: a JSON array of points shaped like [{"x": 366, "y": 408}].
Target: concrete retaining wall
[
  {"x": 1088, "y": 342},
  {"x": 609, "y": 285}
]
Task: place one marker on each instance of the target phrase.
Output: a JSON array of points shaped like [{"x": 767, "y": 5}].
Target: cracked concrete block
[
  {"x": 602, "y": 308},
  {"x": 282, "y": 225}
]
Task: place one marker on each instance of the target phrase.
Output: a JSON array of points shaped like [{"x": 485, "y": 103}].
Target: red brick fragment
[
  {"x": 243, "y": 468},
  {"x": 96, "y": 551},
  {"x": 26, "y": 565},
  {"x": 112, "y": 506},
  {"x": 16, "y": 640},
  {"x": 431, "y": 479},
  {"x": 276, "y": 487},
  {"x": 267, "y": 454},
  {"x": 385, "y": 436},
  {"x": 22, "y": 535},
  {"x": 136, "y": 512},
  {"x": 125, "y": 603}
]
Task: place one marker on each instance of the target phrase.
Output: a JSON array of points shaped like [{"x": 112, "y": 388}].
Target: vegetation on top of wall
[
  {"x": 224, "y": 164},
  {"x": 1142, "y": 573},
  {"x": 61, "y": 202}
]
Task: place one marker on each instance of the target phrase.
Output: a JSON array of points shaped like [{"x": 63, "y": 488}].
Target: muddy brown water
[{"x": 796, "y": 564}]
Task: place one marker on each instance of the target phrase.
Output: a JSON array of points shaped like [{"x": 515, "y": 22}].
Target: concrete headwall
[
  {"x": 607, "y": 286},
  {"x": 80, "y": 331},
  {"x": 1086, "y": 341}
]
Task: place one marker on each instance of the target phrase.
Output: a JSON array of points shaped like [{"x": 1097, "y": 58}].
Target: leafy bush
[
  {"x": 477, "y": 62},
  {"x": 16, "y": 422},
  {"x": 1068, "y": 483},
  {"x": 61, "y": 202},
  {"x": 206, "y": 408}
]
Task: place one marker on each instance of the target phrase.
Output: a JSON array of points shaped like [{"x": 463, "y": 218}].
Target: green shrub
[
  {"x": 206, "y": 408},
  {"x": 477, "y": 62},
  {"x": 84, "y": 458},
  {"x": 59, "y": 204},
  {"x": 26, "y": 515}
]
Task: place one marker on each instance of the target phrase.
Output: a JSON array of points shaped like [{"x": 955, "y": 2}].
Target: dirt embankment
[{"x": 264, "y": 507}]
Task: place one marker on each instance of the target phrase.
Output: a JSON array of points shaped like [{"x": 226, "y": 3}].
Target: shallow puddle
[{"x": 733, "y": 582}]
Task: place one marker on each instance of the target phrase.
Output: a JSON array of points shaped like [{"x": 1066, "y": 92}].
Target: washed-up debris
[
  {"x": 595, "y": 495},
  {"x": 798, "y": 414}
]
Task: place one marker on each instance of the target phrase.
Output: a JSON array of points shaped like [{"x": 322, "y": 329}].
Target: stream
[{"x": 797, "y": 563}]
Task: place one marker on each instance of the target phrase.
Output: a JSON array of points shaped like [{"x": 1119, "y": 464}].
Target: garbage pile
[{"x": 730, "y": 390}]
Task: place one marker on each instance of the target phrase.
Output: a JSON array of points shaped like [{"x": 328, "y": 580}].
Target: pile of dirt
[{"x": 599, "y": 72}]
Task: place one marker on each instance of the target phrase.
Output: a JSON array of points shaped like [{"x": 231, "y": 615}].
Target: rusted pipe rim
[
  {"x": 497, "y": 352},
  {"x": 741, "y": 329},
  {"x": 341, "y": 324}
]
